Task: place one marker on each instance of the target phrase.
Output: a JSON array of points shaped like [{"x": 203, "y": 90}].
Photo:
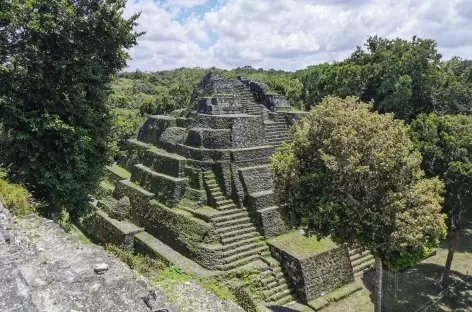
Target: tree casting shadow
[{"x": 419, "y": 285}]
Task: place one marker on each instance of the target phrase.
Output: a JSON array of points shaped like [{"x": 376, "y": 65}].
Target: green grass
[
  {"x": 168, "y": 277},
  {"x": 300, "y": 245},
  {"x": 15, "y": 197},
  {"x": 121, "y": 172}
]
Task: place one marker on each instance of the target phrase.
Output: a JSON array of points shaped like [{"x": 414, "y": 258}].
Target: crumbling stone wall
[{"x": 316, "y": 275}]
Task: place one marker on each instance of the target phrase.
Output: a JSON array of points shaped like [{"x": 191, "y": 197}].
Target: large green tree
[
  {"x": 404, "y": 77},
  {"x": 446, "y": 144},
  {"x": 355, "y": 176},
  {"x": 57, "y": 58}
]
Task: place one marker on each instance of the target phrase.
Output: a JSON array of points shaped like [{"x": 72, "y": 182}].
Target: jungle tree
[
  {"x": 446, "y": 144},
  {"x": 57, "y": 58},
  {"x": 355, "y": 175}
]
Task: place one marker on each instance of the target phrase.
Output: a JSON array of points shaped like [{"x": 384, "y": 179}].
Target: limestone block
[
  {"x": 209, "y": 138},
  {"x": 153, "y": 128},
  {"x": 271, "y": 222},
  {"x": 313, "y": 274},
  {"x": 165, "y": 162},
  {"x": 167, "y": 189}
]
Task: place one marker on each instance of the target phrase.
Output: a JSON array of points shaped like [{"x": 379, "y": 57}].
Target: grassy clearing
[{"x": 419, "y": 285}]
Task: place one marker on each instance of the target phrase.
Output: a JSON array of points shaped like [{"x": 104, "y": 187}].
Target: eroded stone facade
[{"x": 198, "y": 181}]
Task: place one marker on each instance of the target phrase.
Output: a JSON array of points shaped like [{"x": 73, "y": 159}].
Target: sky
[{"x": 286, "y": 34}]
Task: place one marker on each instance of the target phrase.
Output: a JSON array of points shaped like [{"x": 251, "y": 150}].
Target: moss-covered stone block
[
  {"x": 245, "y": 157},
  {"x": 260, "y": 200},
  {"x": 183, "y": 232},
  {"x": 104, "y": 189},
  {"x": 165, "y": 162},
  {"x": 166, "y": 189},
  {"x": 105, "y": 230},
  {"x": 198, "y": 196},
  {"x": 115, "y": 173},
  {"x": 209, "y": 138},
  {"x": 271, "y": 222},
  {"x": 139, "y": 199},
  {"x": 135, "y": 154},
  {"x": 314, "y": 267},
  {"x": 256, "y": 178},
  {"x": 153, "y": 128},
  {"x": 195, "y": 177}
]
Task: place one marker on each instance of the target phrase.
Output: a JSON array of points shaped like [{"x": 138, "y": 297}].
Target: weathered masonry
[{"x": 196, "y": 185}]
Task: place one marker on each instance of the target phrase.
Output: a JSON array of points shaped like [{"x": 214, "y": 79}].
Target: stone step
[
  {"x": 238, "y": 263},
  {"x": 233, "y": 228},
  {"x": 238, "y": 232},
  {"x": 212, "y": 185},
  {"x": 279, "y": 139},
  {"x": 283, "y": 294},
  {"x": 277, "y": 131},
  {"x": 336, "y": 295},
  {"x": 243, "y": 248},
  {"x": 363, "y": 267},
  {"x": 362, "y": 259},
  {"x": 228, "y": 212},
  {"x": 278, "y": 135},
  {"x": 229, "y": 240},
  {"x": 276, "y": 293},
  {"x": 356, "y": 256},
  {"x": 271, "y": 284},
  {"x": 286, "y": 299},
  {"x": 228, "y": 217},
  {"x": 268, "y": 279},
  {"x": 271, "y": 262},
  {"x": 227, "y": 207},
  {"x": 245, "y": 254},
  {"x": 216, "y": 192},
  {"x": 234, "y": 222},
  {"x": 224, "y": 202},
  {"x": 276, "y": 127},
  {"x": 241, "y": 243}
]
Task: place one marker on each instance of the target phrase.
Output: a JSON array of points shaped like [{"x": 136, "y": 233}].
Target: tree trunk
[
  {"x": 378, "y": 284},
  {"x": 450, "y": 256}
]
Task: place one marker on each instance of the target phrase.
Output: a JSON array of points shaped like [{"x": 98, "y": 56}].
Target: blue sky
[{"x": 287, "y": 34}]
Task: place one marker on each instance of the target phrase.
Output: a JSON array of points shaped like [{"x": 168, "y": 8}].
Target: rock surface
[{"x": 45, "y": 269}]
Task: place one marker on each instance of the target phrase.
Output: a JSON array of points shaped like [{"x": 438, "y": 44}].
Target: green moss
[
  {"x": 120, "y": 172},
  {"x": 171, "y": 276},
  {"x": 15, "y": 197},
  {"x": 144, "y": 265},
  {"x": 301, "y": 245}
]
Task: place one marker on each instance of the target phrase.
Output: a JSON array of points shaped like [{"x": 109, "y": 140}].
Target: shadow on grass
[{"x": 419, "y": 285}]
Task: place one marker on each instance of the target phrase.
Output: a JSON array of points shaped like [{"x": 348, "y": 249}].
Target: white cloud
[
  {"x": 185, "y": 3},
  {"x": 288, "y": 34}
]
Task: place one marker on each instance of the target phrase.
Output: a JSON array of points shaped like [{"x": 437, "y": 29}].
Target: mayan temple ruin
[{"x": 195, "y": 189}]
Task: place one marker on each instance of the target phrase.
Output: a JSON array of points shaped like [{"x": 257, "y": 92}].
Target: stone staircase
[
  {"x": 276, "y": 289},
  {"x": 241, "y": 242},
  {"x": 276, "y": 133},
  {"x": 361, "y": 262},
  {"x": 246, "y": 99}
]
